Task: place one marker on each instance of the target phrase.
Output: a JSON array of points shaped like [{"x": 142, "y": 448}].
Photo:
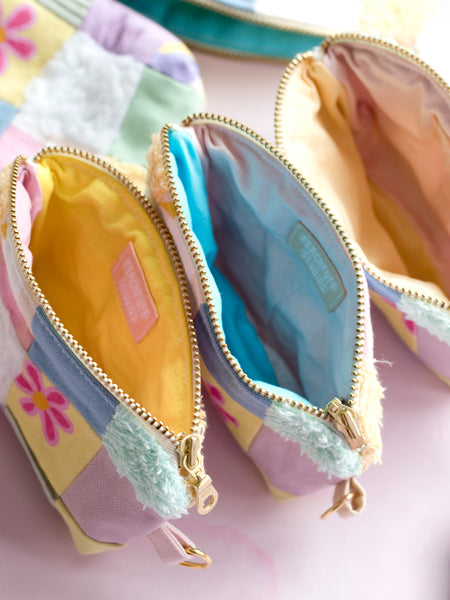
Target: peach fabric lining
[{"x": 381, "y": 130}]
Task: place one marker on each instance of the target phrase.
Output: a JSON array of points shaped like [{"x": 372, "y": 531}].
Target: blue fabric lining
[
  {"x": 240, "y": 334},
  {"x": 217, "y": 364},
  {"x": 282, "y": 257}
]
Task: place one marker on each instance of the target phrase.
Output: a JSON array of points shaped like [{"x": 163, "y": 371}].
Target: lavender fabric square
[
  {"x": 105, "y": 506},
  {"x": 121, "y": 30},
  {"x": 284, "y": 466}
]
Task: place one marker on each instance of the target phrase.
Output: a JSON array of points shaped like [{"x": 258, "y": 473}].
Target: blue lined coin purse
[{"x": 280, "y": 305}]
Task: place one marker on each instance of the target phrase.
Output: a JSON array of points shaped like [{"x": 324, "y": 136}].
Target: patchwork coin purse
[
  {"x": 99, "y": 362},
  {"x": 369, "y": 125},
  {"x": 279, "y": 301}
]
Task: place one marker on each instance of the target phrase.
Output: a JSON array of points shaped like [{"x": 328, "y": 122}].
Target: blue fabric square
[
  {"x": 7, "y": 112},
  {"x": 69, "y": 375}
]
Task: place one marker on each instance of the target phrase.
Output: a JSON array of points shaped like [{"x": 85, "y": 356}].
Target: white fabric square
[{"x": 82, "y": 96}]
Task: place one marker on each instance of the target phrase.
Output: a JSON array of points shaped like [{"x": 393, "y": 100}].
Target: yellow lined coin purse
[
  {"x": 368, "y": 123},
  {"x": 99, "y": 362},
  {"x": 279, "y": 301}
]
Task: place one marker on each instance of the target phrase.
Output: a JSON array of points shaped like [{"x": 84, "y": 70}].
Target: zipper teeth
[
  {"x": 443, "y": 304},
  {"x": 279, "y": 125},
  {"x": 389, "y": 46},
  {"x": 77, "y": 349},
  {"x": 360, "y": 329},
  {"x": 261, "y": 19},
  {"x": 281, "y": 95}
]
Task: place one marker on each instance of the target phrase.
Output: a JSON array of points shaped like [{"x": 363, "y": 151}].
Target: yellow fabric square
[
  {"x": 28, "y": 46},
  {"x": 64, "y": 457},
  {"x": 243, "y": 425}
]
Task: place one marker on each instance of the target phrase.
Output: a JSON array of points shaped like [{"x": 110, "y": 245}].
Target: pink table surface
[{"x": 398, "y": 548}]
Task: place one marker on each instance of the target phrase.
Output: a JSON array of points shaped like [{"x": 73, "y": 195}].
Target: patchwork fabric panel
[
  {"x": 243, "y": 425},
  {"x": 51, "y": 426},
  {"x": 77, "y": 452},
  {"x": 26, "y": 46},
  {"x": 139, "y": 77},
  {"x": 428, "y": 339}
]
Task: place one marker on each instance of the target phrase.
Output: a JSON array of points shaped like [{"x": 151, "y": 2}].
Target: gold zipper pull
[
  {"x": 346, "y": 421},
  {"x": 206, "y": 495},
  {"x": 203, "y": 491}
]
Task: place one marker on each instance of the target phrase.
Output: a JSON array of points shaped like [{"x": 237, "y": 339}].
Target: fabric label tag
[
  {"x": 318, "y": 264},
  {"x": 137, "y": 303}
]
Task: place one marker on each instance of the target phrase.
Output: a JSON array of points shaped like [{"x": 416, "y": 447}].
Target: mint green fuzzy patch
[
  {"x": 431, "y": 317},
  {"x": 151, "y": 469},
  {"x": 327, "y": 449}
]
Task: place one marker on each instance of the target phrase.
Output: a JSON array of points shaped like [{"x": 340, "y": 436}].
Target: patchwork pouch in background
[
  {"x": 99, "y": 362},
  {"x": 369, "y": 124},
  {"x": 89, "y": 74},
  {"x": 280, "y": 305},
  {"x": 279, "y": 29}
]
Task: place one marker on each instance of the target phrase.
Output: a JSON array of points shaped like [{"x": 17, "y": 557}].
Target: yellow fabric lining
[
  {"x": 349, "y": 149},
  {"x": 87, "y": 220}
]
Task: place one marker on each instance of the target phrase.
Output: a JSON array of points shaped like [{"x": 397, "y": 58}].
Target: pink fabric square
[
  {"x": 433, "y": 352},
  {"x": 13, "y": 142}
]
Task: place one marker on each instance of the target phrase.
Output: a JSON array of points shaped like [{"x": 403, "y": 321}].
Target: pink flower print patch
[
  {"x": 19, "y": 19},
  {"x": 410, "y": 325},
  {"x": 218, "y": 400},
  {"x": 47, "y": 402}
]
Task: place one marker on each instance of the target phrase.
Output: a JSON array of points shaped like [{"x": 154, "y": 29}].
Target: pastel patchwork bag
[
  {"x": 280, "y": 306},
  {"x": 90, "y": 74},
  {"x": 99, "y": 365},
  {"x": 368, "y": 123}
]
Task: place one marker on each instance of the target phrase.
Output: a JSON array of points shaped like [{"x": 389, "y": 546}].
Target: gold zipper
[
  {"x": 397, "y": 50},
  {"x": 281, "y": 96},
  {"x": 193, "y": 477},
  {"x": 342, "y": 38},
  {"x": 349, "y": 427}
]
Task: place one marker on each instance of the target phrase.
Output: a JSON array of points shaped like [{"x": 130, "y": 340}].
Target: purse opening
[
  {"x": 283, "y": 282},
  {"x": 371, "y": 132},
  {"x": 102, "y": 265}
]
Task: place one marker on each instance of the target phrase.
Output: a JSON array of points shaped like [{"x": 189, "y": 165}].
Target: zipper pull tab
[
  {"x": 203, "y": 491},
  {"x": 346, "y": 421}
]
